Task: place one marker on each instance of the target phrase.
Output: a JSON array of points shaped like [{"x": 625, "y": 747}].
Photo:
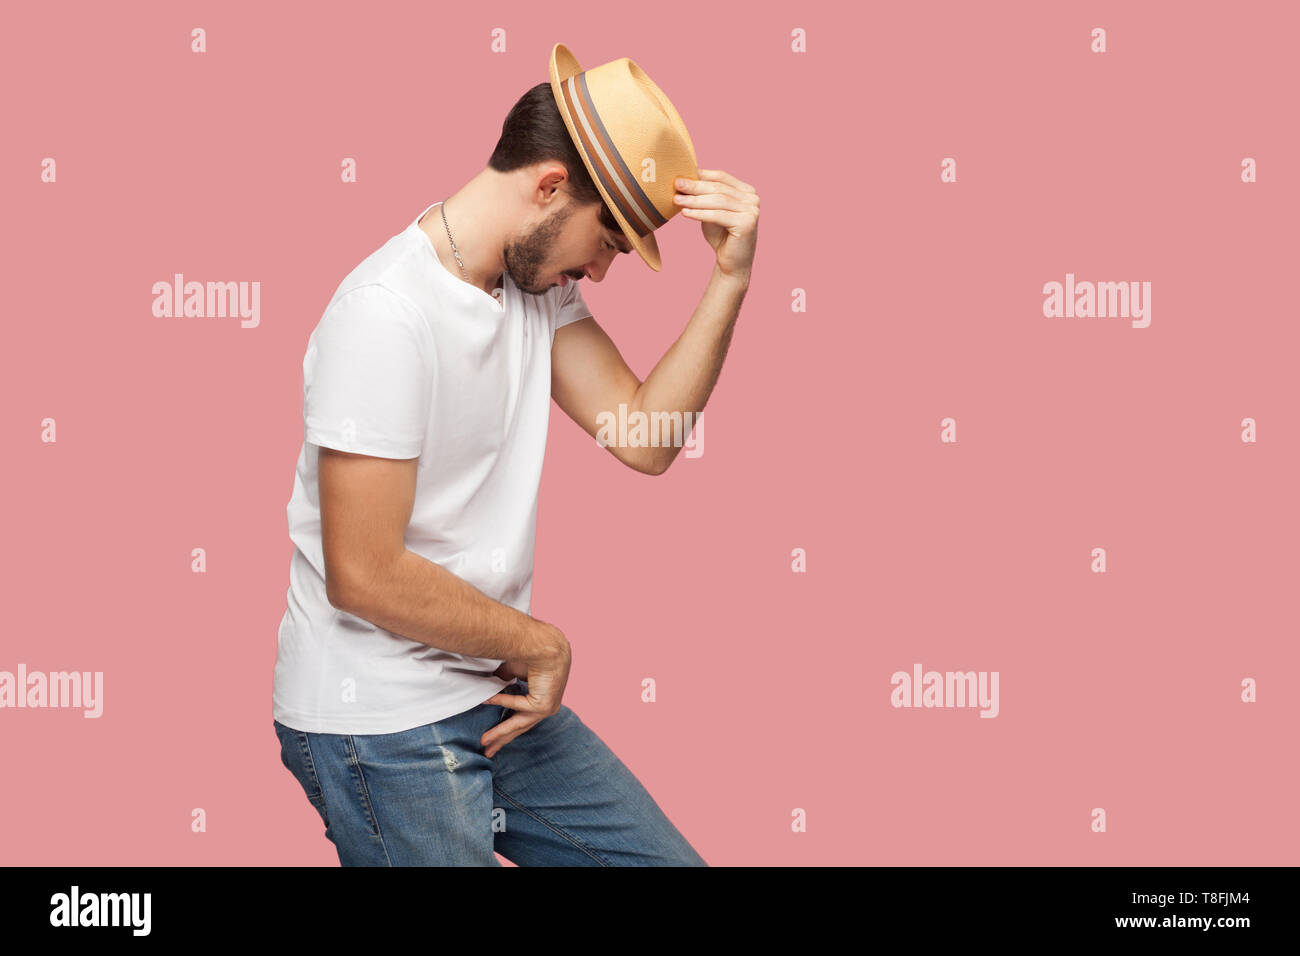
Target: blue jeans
[{"x": 556, "y": 795}]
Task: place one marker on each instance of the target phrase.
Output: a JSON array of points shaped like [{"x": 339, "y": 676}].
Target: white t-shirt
[{"x": 411, "y": 361}]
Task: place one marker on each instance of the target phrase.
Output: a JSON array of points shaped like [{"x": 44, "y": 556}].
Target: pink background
[{"x": 1117, "y": 690}]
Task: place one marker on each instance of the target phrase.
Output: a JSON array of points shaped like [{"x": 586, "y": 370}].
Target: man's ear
[{"x": 554, "y": 178}]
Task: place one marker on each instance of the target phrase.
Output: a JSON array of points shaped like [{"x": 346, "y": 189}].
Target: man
[{"x": 416, "y": 700}]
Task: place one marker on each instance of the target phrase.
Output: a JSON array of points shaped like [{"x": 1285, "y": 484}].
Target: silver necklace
[{"x": 443, "y": 207}]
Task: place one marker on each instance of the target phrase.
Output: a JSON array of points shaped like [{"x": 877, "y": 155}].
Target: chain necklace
[{"x": 443, "y": 207}]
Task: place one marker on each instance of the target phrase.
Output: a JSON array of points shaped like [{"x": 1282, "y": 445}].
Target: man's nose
[{"x": 596, "y": 271}]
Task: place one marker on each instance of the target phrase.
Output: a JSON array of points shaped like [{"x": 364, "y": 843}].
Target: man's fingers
[
  {"x": 506, "y": 731},
  {"x": 715, "y": 196},
  {"x": 513, "y": 701},
  {"x": 532, "y": 703},
  {"x": 701, "y": 188},
  {"x": 723, "y": 217},
  {"x": 720, "y": 198},
  {"x": 726, "y": 177}
]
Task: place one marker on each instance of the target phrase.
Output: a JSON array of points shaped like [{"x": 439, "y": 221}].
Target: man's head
[{"x": 566, "y": 228}]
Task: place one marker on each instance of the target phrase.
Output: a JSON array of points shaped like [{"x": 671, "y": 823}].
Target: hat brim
[{"x": 563, "y": 66}]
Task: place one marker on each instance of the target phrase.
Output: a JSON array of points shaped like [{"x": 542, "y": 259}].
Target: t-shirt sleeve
[
  {"x": 572, "y": 308},
  {"x": 368, "y": 376}
]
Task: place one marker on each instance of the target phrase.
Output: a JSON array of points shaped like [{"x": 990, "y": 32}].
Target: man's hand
[
  {"x": 727, "y": 210},
  {"x": 546, "y": 674}
]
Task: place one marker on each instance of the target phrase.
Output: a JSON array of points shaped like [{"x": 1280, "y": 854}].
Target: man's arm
[
  {"x": 589, "y": 376},
  {"x": 365, "y": 506}
]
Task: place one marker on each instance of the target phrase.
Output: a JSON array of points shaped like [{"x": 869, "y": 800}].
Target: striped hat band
[{"x": 607, "y": 161}]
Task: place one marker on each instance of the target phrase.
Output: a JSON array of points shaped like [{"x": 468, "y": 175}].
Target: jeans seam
[
  {"x": 355, "y": 761},
  {"x": 556, "y": 828}
]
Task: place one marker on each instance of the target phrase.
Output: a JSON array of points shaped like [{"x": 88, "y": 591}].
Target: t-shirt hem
[
  {"x": 380, "y": 449},
  {"x": 387, "y": 723},
  {"x": 562, "y": 321}
]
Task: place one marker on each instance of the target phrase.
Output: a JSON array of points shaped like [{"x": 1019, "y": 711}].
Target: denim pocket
[{"x": 295, "y": 754}]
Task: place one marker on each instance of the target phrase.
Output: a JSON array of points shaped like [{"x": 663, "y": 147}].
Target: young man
[{"x": 416, "y": 700}]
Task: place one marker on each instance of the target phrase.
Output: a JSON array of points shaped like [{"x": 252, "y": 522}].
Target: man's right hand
[{"x": 547, "y": 673}]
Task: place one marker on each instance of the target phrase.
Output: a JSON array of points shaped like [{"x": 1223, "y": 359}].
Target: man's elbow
[
  {"x": 334, "y": 592},
  {"x": 340, "y": 587},
  {"x": 654, "y": 462}
]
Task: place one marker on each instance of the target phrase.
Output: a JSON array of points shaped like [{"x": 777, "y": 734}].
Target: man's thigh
[
  {"x": 420, "y": 797},
  {"x": 569, "y": 801}
]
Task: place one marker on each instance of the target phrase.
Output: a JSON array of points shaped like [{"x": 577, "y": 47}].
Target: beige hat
[{"x": 631, "y": 139}]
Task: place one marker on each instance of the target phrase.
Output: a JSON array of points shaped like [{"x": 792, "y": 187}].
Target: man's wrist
[
  {"x": 548, "y": 645},
  {"x": 740, "y": 281}
]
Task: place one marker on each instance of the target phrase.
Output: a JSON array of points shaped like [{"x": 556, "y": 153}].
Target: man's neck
[{"x": 475, "y": 231}]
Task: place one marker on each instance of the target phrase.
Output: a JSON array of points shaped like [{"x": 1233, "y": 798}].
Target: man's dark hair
[{"x": 534, "y": 132}]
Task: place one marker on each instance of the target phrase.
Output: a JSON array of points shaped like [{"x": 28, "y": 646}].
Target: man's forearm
[
  {"x": 423, "y": 601},
  {"x": 684, "y": 378}
]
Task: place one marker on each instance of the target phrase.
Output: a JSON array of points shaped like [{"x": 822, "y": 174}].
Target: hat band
[{"x": 620, "y": 185}]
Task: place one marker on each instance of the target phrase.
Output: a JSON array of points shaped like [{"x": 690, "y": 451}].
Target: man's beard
[{"x": 525, "y": 257}]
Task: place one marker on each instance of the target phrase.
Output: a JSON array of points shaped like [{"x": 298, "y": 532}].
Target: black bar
[{"x": 924, "y": 904}]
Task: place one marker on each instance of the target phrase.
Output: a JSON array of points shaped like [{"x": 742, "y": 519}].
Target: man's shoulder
[
  {"x": 375, "y": 295},
  {"x": 382, "y": 275}
]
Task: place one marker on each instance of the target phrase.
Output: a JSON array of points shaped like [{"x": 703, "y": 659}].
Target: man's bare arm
[
  {"x": 588, "y": 375},
  {"x": 365, "y": 506},
  {"x": 684, "y": 378}
]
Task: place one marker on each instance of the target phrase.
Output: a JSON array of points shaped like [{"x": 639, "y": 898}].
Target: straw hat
[{"x": 618, "y": 119}]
